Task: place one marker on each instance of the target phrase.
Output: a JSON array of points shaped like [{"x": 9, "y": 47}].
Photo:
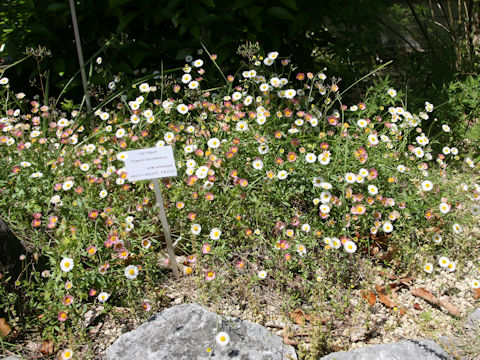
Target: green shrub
[{"x": 278, "y": 180}]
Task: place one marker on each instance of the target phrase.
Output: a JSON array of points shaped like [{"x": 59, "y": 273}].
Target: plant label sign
[{"x": 150, "y": 163}]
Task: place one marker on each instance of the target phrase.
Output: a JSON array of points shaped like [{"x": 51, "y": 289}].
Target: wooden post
[{"x": 166, "y": 228}]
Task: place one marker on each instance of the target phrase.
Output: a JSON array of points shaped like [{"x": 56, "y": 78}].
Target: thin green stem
[
  {"x": 366, "y": 76},
  {"x": 215, "y": 63}
]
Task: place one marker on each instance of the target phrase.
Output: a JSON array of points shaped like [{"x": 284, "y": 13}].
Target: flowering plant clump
[{"x": 277, "y": 178}]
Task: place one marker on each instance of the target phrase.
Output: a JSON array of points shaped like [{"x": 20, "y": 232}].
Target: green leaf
[
  {"x": 123, "y": 67},
  {"x": 254, "y": 11},
  {"x": 56, "y": 7},
  {"x": 40, "y": 30},
  {"x": 290, "y": 3},
  {"x": 240, "y": 4},
  {"x": 127, "y": 20},
  {"x": 137, "y": 57},
  {"x": 115, "y": 3},
  {"x": 281, "y": 13},
  {"x": 59, "y": 66},
  {"x": 257, "y": 22},
  {"x": 210, "y": 3},
  {"x": 195, "y": 31}
]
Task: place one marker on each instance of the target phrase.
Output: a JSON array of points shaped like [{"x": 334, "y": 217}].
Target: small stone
[{"x": 178, "y": 301}]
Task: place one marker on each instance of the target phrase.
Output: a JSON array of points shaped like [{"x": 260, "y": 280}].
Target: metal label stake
[
  {"x": 80, "y": 55},
  {"x": 151, "y": 164},
  {"x": 166, "y": 228}
]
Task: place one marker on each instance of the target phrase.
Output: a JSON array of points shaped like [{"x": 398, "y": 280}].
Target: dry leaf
[
  {"x": 428, "y": 296},
  {"x": 47, "y": 347},
  {"x": 370, "y": 297},
  {"x": 383, "y": 297},
  {"x": 298, "y": 316},
  {"x": 425, "y": 294},
  {"x": 5, "y": 329},
  {"x": 476, "y": 293},
  {"x": 286, "y": 340},
  {"x": 417, "y": 306},
  {"x": 406, "y": 280}
]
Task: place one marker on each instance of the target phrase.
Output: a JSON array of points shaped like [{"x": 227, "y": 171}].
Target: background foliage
[{"x": 433, "y": 41}]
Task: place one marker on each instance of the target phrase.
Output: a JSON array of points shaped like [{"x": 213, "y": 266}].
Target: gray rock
[
  {"x": 184, "y": 332},
  {"x": 450, "y": 345},
  {"x": 474, "y": 318},
  {"x": 422, "y": 349},
  {"x": 11, "y": 358}
]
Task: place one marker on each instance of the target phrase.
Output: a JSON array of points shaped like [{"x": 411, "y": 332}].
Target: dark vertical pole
[{"x": 80, "y": 55}]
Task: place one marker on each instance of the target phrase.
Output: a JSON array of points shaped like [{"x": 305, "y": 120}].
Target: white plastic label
[{"x": 150, "y": 163}]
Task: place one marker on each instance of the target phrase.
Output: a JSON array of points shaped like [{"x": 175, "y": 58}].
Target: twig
[
  {"x": 274, "y": 326},
  {"x": 427, "y": 296}
]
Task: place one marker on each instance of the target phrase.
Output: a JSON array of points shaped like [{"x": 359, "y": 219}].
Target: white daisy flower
[
  {"x": 324, "y": 208},
  {"x": 182, "y": 108},
  {"x": 222, "y": 338},
  {"x": 241, "y": 126},
  {"x": 443, "y": 262},
  {"x": 392, "y": 92},
  {"x": 103, "y": 296},
  {"x": 428, "y": 268},
  {"x": 196, "y": 229},
  {"x": 131, "y": 272},
  {"x": 282, "y": 174},
  {"x": 213, "y": 143},
  {"x": 373, "y": 139},
  {"x": 257, "y": 164},
  {"x": 457, "y": 228},
  {"x": 67, "y": 185},
  {"x": 451, "y": 266},
  {"x": 262, "y": 274},
  {"x": 120, "y": 133},
  {"x": 350, "y": 247},
  {"x": 444, "y": 208},
  {"x": 66, "y": 264},
  {"x": 215, "y": 234},
  {"x": 193, "y": 84},
  {"x": 387, "y": 227},
  {"x": 310, "y": 158},
  {"x": 372, "y": 189},
  {"x": 144, "y": 87},
  {"x": 350, "y": 178},
  {"x": 427, "y": 185}
]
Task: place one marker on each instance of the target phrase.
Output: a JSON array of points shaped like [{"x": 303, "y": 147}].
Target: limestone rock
[
  {"x": 422, "y": 349},
  {"x": 474, "y": 318},
  {"x": 184, "y": 332}
]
